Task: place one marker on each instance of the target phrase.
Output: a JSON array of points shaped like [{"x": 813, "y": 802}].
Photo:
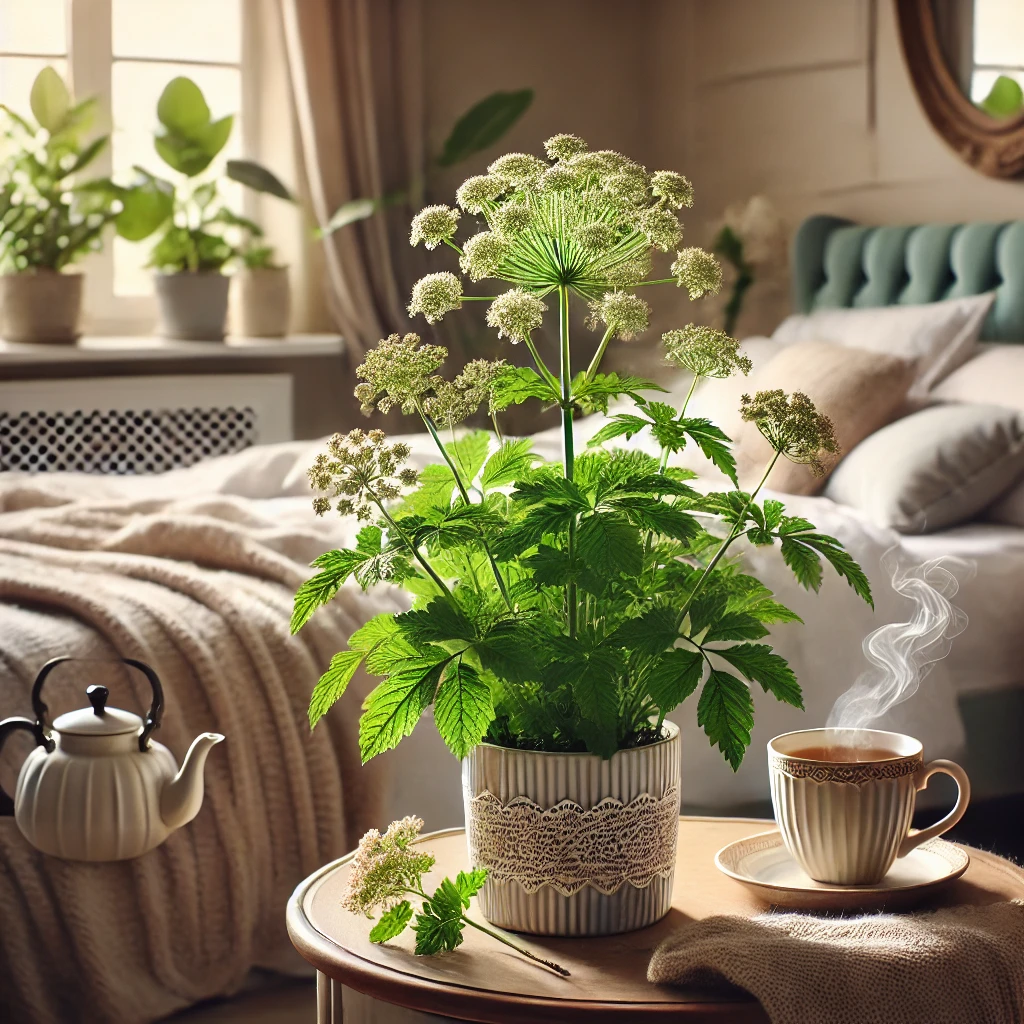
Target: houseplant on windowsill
[
  {"x": 194, "y": 245},
  {"x": 260, "y": 292},
  {"x": 562, "y": 610},
  {"x": 48, "y": 218}
]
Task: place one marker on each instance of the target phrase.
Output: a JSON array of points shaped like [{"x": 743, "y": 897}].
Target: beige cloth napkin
[{"x": 962, "y": 965}]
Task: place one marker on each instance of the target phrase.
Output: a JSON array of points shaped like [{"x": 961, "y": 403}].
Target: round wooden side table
[{"x": 359, "y": 982}]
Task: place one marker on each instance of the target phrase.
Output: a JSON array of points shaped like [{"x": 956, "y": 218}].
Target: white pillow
[
  {"x": 994, "y": 376},
  {"x": 937, "y": 337}
]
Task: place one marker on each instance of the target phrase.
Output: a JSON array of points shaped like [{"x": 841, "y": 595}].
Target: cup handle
[{"x": 915, "y": 839}]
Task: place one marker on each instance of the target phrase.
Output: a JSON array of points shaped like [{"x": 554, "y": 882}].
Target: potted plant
[
  {"x": 193, "y": 247},
  {"x": 48, "y": 218},
  {"x": 560, "y": 611},
  {"x": 260, "y": 292}
]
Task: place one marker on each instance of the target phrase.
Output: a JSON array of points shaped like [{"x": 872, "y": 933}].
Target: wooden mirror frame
[{"x": 993, "y": 146}]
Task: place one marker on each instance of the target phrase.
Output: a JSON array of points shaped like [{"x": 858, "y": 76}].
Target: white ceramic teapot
[{"x": 97, "y": 787}]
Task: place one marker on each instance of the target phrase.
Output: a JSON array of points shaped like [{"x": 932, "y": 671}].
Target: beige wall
[{"x": 807, "y": 101}]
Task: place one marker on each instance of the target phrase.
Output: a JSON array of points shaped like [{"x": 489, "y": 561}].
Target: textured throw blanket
[
  {"x": 963, "y": 965},
  {"x": 201, "y": 589}
]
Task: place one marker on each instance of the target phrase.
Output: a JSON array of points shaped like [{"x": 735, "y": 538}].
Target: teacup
[{"x": 844, "y": 800}]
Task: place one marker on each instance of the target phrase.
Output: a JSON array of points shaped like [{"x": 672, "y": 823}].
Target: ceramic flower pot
[
  {"x": 260, "y": 302},
  {"x": 574, "y": 844},
  {"x": 193, "y": 306},
  {"x": 41, "y": 306}
]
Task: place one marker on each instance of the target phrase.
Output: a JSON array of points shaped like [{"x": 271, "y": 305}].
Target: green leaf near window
[
  {"x": 1004, "y": 99},
  {"x": 49, "y": 100},
  {"x": 258, "y": 178},
  {"x": 483, "y": 124},
  {"x": 181, "y": 108},
  {"x": 145, "y": 206}
]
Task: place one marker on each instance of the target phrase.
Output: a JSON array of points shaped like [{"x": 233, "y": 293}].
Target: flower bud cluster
[
  {"x": 516, "y": 314},
  {"x": 793, "y": 427},
  {"x": 705, "y": 351},
  {"x": 397, "y": 372}
]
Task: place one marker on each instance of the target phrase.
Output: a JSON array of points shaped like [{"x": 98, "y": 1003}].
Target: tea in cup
[{"x": 844, "y": 800}]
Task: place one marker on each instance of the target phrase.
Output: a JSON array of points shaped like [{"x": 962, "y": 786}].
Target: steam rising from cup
[{"x": 901, "y": 654}]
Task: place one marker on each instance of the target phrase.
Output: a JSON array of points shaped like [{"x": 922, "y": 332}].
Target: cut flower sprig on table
[
  {"x": 572, "y": 605},
  {"x": 388, "y": 868}
]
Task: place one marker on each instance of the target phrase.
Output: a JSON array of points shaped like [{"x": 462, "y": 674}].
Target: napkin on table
[{"x": 961, "y": 965}]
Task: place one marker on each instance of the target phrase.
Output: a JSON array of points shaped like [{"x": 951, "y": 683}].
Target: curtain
[{"x": 355, "y": 72}]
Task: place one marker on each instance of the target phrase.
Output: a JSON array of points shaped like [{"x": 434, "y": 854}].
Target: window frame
[{"x": 90, "y": 61}]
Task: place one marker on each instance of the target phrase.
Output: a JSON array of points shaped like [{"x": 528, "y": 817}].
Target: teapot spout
[{"x": 183, "y": 795}]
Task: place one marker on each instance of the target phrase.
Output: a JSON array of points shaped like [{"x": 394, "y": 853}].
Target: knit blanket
[
  {"x": 959, "y": 965},
  {"x": 201, "y": 590}
]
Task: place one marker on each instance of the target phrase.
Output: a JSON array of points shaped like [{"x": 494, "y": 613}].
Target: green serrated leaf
[
  {"x": 804, "y": 562},
  {"x": 469, "y": 883},
  {"x": 725, "y": 711},
  {"x": 624, "y": 424},
  {"x": 333, "y": 683},
  {"x": 596, "y": 692},
  {"x": 336, "y": 567},
  {"x": 439, "y": 925},
  {"x": 483, "y": 124},
  {"x": 392, "y": 923},
  {"x": 513, "y": 459},
  {"x": 759, "y": 664},
  {"x": 607, "y": 543},
  {"x": 516, "y": 384},
  {"x": 469, "y": 453},
  {"x": 736, "y": 626},
  {"x": 713, "y": 443},
  {"x": 593, "y": 395},
  {"x": 393, "y": 708},
  {"x": 673, "y": 677},
  {"x": 650, "y": 513},
  {"x": 650, "y": 633},
  {"x": 462, "y": 708},
  {"x": 440, "y": 621},
  {"x": 840, "y": 560}
]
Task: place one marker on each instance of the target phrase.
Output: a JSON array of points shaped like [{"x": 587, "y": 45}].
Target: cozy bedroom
[{"x": 512, "y": 511}]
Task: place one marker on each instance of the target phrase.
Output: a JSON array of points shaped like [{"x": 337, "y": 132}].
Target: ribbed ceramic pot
[
  {"x": 574, "y": 844},
  {"x": 41, "y": 307},
  {"x": 193, "y": 306}
]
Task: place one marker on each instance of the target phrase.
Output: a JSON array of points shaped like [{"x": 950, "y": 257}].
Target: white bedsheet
[{"x": 825, "y": 652}]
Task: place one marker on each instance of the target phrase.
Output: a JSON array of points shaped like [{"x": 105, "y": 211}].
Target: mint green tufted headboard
[{"x": 837, "y": 263}]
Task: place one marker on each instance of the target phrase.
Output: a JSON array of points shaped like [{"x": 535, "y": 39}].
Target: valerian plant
[
  {"x": 563, "y": 606},
  {"x": 387, "y": 869}
]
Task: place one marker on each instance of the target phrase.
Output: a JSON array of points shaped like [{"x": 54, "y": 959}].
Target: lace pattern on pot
[{"x": 568, "y": 847}]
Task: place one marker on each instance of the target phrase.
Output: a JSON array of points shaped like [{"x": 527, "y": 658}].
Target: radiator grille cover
[{"x": 122, "y": 441}]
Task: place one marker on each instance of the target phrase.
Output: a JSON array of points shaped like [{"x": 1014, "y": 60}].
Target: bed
[{"x": 255, "y": 503}]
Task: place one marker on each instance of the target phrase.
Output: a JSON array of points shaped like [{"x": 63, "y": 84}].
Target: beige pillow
[
  {"x": 994, "y": 377},
  {"x": 859, "y": 391}
]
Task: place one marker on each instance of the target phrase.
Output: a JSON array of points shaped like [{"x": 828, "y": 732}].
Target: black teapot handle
[
  {"x": 40, "y": 710},
  {"x": 8, "y": 727}
]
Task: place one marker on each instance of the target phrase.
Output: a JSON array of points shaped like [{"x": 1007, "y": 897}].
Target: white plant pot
[
  {"x": 193, "y": 306},
  {"x": 260, "y": 302},
  {"x": 574, "y": 844},
  {"x": 40, "y": 306}
]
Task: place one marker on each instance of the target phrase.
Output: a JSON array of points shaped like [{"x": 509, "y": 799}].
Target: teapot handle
[
  {"x": 8, "y": 727},
  {"x": 153, "y": 716}
]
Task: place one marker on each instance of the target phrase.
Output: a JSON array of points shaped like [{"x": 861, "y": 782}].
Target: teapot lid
[{"x": 99, "y": 720}]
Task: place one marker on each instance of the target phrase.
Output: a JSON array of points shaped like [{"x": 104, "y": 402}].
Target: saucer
[{"x": 764, "y": 865}]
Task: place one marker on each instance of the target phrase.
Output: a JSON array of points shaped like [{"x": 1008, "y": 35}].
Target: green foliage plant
[
  {"x": 49, "y": 217},
  {"x": 193, "y": 223},
  {"x": 387, "y": 869},
  {"x": 571, "y": 605}
]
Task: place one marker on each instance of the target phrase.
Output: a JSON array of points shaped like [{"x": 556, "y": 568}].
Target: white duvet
[{"x": 825, "y": 652}]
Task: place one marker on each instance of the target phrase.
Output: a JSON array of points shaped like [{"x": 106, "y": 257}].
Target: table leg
[{"x": 328, "y": 1000}]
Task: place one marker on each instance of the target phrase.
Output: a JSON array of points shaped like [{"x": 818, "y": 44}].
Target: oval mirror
[{"x": 966, "y": 60}]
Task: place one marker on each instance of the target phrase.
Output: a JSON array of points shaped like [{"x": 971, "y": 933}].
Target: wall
[
  {"x": 807, "y": 101},
  {"x": 810, "y": 103}
]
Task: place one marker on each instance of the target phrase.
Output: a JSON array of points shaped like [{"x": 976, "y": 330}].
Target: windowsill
[{"x": 142, "y": 348}]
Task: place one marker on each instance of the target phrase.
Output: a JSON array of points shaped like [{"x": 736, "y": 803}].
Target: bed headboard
[{"x": 837, "y": 263}]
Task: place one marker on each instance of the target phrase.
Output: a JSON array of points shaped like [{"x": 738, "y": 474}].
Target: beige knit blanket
[
  {"x": 963, "y": 965},
  {"x": 201, "y": 589}
]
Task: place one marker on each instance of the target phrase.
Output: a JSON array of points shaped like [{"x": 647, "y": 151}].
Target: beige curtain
[{"x": 355, "y": 71}]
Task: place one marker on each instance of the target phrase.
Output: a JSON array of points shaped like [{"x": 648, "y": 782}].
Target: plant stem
[
  {"x": 568, "y": 453},
  {"x": 541, "y": 365},
  {"x": 432, "y": 427},
  {"x": 497, "y": 429},
  {"x": 733, "y": 534},
  {"x": 599, "y": 355},
  {"x": 681, "y": 416},
  {"x": 409, "y": 544},
  {"x": 661, "y": 280},
  {"x": 519, "y": 949}
]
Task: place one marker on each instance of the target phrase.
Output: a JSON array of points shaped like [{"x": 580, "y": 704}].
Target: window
[
  {"x": 124, "y": 52},
  {"x": 998, "y": 44}
]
